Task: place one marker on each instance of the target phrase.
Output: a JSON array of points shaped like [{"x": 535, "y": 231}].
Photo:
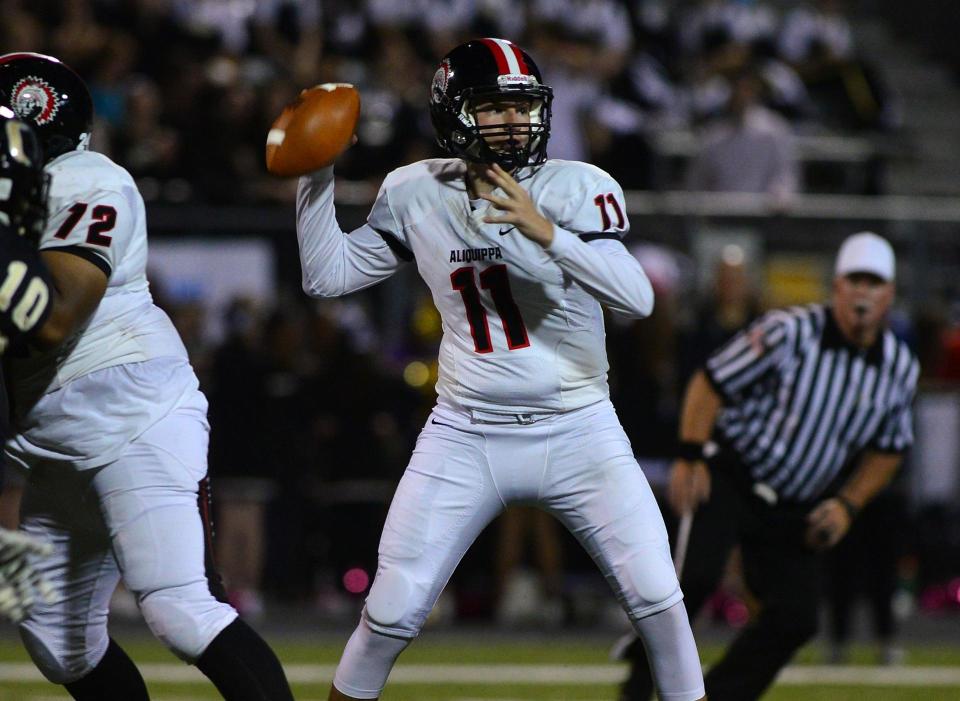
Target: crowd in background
[
  {"x": 185, "y": 90},
  {"x": 315, "y": 408}
]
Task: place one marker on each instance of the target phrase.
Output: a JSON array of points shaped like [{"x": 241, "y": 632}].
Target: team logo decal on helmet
[
  {"x": 47, "y": 94},
  {"x": 441, "y": 79},
  {"x": 34, "y": 99}
]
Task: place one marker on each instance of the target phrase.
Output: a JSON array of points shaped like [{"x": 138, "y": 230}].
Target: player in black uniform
[{"x": 26, "y": 297}]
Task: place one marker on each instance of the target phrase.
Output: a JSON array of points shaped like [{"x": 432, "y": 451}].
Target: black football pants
[{"x": 781, "y": 573}]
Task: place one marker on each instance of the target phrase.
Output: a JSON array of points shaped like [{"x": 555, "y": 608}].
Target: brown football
[{"x": 313, "y": 130}]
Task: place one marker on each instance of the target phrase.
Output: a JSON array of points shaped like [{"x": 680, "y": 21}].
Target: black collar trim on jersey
[{"x": 833, "y": 338}]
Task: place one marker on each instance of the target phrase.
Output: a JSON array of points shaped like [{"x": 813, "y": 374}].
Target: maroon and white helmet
[
  {"x": 483, "y": 69},
  {"x": 50, "y": 97}
]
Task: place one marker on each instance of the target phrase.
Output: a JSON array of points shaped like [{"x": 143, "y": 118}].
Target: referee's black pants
[{"x": 780, "y": 571}]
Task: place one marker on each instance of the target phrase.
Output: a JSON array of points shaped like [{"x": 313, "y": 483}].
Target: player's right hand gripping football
[
  {"x": 314, "y": 130},
  {"x": 21, "y": 585}
]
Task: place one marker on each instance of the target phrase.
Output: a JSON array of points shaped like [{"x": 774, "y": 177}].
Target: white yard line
[
  {"x": 537, "y": 674},
  {"x": 870, "y": 676}
]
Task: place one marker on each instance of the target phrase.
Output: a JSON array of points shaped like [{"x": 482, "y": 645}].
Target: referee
[{"x": 787, "y": 432}]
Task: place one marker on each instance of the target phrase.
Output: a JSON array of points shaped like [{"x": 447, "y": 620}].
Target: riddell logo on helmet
[
  {"x": 34, "y": 99},
  {"x": 440, "y": 80},
  {"x": 511, "y": 79}
]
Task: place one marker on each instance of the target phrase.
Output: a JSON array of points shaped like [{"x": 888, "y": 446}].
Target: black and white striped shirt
[{"x": 800, "y": 402}]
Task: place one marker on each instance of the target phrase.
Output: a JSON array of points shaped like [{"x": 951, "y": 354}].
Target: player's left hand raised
[{"x": 517, "y": 207}]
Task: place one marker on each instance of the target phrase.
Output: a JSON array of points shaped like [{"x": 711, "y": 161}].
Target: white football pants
[
  {"x": 137, "y": 518},
  {"x": 467, "y": 466}
]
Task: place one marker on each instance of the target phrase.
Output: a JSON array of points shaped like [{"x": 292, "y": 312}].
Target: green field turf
[{"x": 310, "y": 665}]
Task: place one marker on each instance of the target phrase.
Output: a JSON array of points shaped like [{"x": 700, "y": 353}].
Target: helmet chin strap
[
  {"x": 508, "y": 161},
  {"x": 510, "y": 158}
]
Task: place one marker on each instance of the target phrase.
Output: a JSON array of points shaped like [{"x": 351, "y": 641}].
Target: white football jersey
[
  {"x": 522, "y": 326},
  {"x": 95, "y": 211}
]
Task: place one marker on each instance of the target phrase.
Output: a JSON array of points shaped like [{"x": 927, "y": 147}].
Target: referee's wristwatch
[{"x": 692, "y": 451}]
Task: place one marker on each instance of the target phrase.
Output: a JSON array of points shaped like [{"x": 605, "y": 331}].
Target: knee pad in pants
[
  {"x": 653, "y": 584},
  {"x": 186, "y": 618},
  {"x": 61, "y": 664},
  {"x": 395, "y": 606}
]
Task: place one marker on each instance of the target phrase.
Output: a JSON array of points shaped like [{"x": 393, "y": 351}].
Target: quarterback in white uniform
[
  {"x": 111, "y": 425},
  {"x": 519, "y": 253}
]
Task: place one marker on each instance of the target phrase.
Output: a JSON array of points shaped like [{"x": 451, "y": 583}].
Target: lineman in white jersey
[
  {"x": 517, "y": 252},
  {"x": 111, "y": 425}
]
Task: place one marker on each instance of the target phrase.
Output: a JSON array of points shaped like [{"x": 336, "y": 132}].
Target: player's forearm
[
  {"x": 332, "y": 263},
  {"x": 607, "y": 270}
]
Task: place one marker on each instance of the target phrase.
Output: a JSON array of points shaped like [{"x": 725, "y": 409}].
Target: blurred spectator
[
  {"x": 581, "y": 45},
  {"x": 188, "y": 314},
  {"x": 848, "y": 91},
  {"x": 499, "y": 18},
  {"x": 147, "y": 147},
  {"x": 642, "y": 99},
  {"x": 389, "y": 130},
  {"x": 240, "y": 456},
  {"x": 730, "y": 304},
  {"x": 939, "y": 339},
  {"x": 523, "y": 597},
  {"x": 289, "y": 34},
  {"x": 784, "y": 89},
  {"x": 741, "y": 22},
  {"x": 109, "y": 78},
  {"x": 433, "y": 26},
  {"x": 816, "y": 32},
  {"x": 224, "y": 150},
  {"x": 643, "y": 359},
  {"x": 227, "y": 20},
  {"x": 348, "y": 30},
  {"x": 21, "y": 30},
  {"x": 749, "y": 149},
  {"x": 598, "y": 29},
  {"x": 565, "y": 59},
  {"x": 362, "y": 422},
  {"x": 78, "y": 37}
]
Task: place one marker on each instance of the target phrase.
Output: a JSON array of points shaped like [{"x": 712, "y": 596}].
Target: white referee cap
[{"x": 866, "y": 253}]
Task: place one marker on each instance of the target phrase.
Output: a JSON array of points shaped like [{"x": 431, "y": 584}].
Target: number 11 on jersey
[{"x": 495, "y": 280}]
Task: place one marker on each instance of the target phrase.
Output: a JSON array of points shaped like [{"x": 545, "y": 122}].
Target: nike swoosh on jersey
[{"x": 504, "y": 232}]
